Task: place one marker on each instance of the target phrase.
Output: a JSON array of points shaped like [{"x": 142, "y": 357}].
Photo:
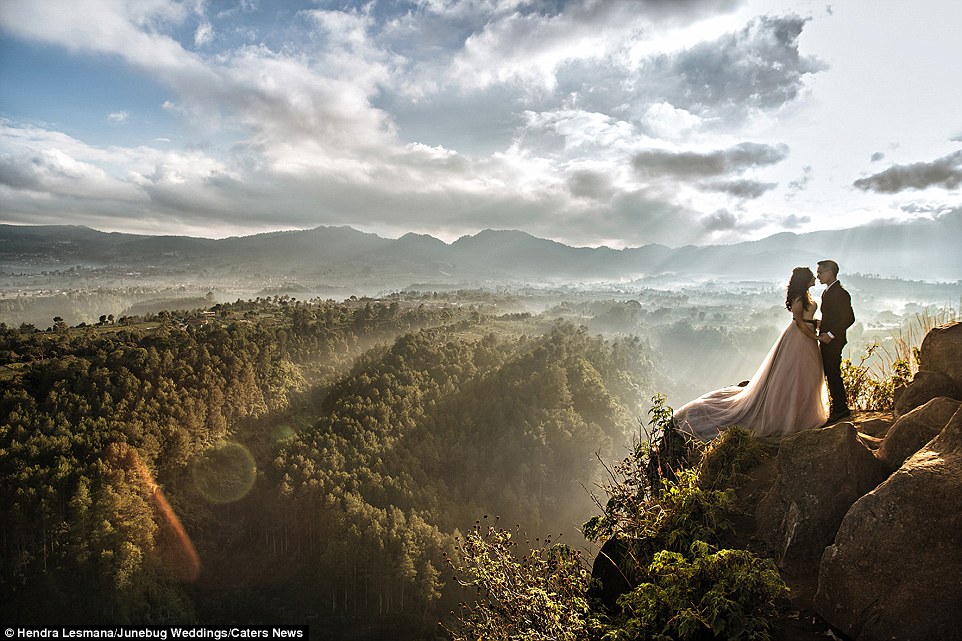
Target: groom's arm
[
  {"x": 849, "y": 318},
  {"x": 839, "y": 317},
  {"x": 829, "y": 325}
]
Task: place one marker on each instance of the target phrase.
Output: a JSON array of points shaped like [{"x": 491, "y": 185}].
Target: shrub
[
  {"x": 871, "y": 384},
  {"x": 726, "y": 459},
  {"x": 705, "y": 594},
  {"x": 669, "y": 514},
  {"x": 636, "y": 481},
  {"x": 532, "y": 596}
]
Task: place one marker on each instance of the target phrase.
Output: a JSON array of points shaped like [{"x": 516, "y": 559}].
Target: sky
[{"x": 591, "y": 122}]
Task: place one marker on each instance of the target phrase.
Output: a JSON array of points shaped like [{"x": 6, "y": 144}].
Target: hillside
[
  {"x": 315, "y": 461},
  {"x": 923, "y": 249}
]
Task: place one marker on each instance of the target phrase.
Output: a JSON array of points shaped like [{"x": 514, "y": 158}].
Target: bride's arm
[{"x": 798, "y": 311}]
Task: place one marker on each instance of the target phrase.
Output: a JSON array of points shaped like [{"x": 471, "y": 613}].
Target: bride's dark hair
[{"x": 798, "y": 287}]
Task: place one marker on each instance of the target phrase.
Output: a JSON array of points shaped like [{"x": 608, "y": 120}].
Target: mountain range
[{"x": 918, "y": 250}]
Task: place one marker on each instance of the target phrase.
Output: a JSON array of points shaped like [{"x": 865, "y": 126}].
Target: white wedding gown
[{"x": 787, "y": 394}]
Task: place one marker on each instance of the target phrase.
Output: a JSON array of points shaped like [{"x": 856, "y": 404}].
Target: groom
[{"x": 837, "y": 316}]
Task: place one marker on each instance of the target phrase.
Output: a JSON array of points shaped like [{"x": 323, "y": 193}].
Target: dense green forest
[{"x": 287, "y": 461}]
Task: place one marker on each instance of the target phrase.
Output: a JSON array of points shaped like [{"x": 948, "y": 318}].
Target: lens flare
[
  {"x": 177, "y": 550},
  {"x": 283, "y": 432},
  {"x": 224, "y": 473}
]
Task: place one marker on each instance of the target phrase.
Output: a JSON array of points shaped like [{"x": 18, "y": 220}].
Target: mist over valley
[
  {"x": 328, "y": 411},
  {"x": 709, "y": 312}
]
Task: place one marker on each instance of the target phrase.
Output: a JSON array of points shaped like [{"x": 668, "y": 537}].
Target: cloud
[
  {"x": 721, "y": 220},
  {"x": 52, "y": 175},
  {"x": 793, "y": 221},
  {"x": 595, "y": 185},
  {"x": 759, "y": 67},
  {"x": 527, "y": 43},
  {"x": 801, "y": 183},
  {"x": 576, "y": 130},
  {"x": 746, "y": 189},
  {"x": 667, "y": 122},
  {"x": 588, "y": 121},
  {"x": 204, "y": 34},
  {"x": 877, "y": 156},
  {"x": 118, "y": 116},
  {"x": 721, "y": 81},
  {"x": 711, "y": 84},
  {"x": 693, "y": 164},
  {"x": 943, "y": 172},
  {"x": 933, "y": 210}
]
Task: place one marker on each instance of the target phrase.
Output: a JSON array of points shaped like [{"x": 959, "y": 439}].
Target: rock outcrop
[
  {"x": 911, "y": 432},
  {"x": 925, "y": 385},
  {"x": 940, "y": 369},
  {"x": 880, "y": 531},
  {"x": 821, "y": 473},
  {"x": 940, "y": 352},
  {"x": 612, "y": 571},
  {"x": 894, "y": 571}
]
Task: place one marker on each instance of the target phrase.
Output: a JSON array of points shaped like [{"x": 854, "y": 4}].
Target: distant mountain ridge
[{"x": 921, "y": 250}]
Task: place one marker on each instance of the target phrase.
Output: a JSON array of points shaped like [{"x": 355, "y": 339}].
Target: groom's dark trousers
[
  {"x": 837, "y": 316},
  {"x": 832, "y": 363}
]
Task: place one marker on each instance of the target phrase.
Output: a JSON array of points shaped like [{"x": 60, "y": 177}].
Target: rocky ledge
[{"x": 864, "y": 518}]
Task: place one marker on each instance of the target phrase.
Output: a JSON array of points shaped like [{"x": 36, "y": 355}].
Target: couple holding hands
[{"x": 792, "y": 388}]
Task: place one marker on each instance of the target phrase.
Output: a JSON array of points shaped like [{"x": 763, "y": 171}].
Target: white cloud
[
  {"x": 589, "y": 121},
  {"x": 666, "y": 121},
  {"x": 204, "y": 34}
]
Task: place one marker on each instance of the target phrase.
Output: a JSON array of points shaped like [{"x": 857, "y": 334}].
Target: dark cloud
[
  {"x": 691, "y": 164},
  {"x": 943, "y": 172},
  {"x": 721, "y": 81},
  {"x": 933, "y": 210},
  {"x": 589, "y": 184},
  {"x": 794, "y": 221},
  {"x": 877, "y": 156},
  {"x": 19, "y": 175},
  {"x": 758, "y": 67},
  {"x": 748, "y": 189},
  {"x": 721, "y": 220}
]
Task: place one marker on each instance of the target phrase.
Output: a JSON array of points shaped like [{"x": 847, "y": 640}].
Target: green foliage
[
  {"x": 637, "y": 483},
  {"x": 881, "y": 370},
  {"x": 726, "y": 459},
  {"x": 870, "y": 384},
  {"x": 537, "y": 595},
  {"x": 319, "y": 455},
  {"x": 670, "y": 518},
  {"x": 703, "y": 594},
  {"x": 80, "y": 523},
  {"x": 684, "y": 588}
]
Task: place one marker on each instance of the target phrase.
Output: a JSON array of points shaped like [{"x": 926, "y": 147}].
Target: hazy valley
[{"x": 326, "y": 411}]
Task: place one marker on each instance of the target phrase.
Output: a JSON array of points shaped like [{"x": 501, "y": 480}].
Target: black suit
[{"x": 837, "y": 316}]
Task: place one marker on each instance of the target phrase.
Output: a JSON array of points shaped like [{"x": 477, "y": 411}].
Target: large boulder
[
  {"x": 894, "y": 572},
  {"x": 911, "y": 432},
  {"x": 925, "y": 386},
  {"x": 821, "y": 473},
  {"x": 941, "y": 351},
  {"x": 612, "y": 572}
]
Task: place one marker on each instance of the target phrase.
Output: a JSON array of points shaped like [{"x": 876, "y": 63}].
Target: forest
[{"x": 283, "y": 461}]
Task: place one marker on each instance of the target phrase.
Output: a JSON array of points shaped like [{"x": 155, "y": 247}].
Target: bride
[{"x": 786, "y": 395}]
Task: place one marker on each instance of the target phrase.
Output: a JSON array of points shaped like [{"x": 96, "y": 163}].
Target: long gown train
[{"x": 787, "y": 394}]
